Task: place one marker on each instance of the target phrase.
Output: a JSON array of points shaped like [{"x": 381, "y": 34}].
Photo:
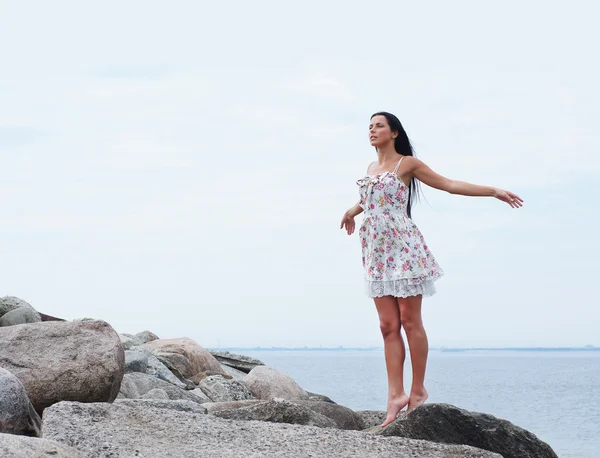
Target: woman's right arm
[{"x": 355, "y": 210}]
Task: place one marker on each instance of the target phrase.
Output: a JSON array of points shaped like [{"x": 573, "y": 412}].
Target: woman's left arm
[{"x": 422, "y": 172}]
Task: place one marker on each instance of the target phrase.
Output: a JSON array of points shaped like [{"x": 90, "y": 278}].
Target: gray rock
[
  {"x": 450, "y": 425},
  {"x": 202, "y": 375},
  {"x": 168, "y": 363},
  {"x": 22, "y": 315},
  {"x": 198, "y": 392},
  {"x": 219, "y": 389},
  {"x": 267, "y": 383},
  {"x": 343, "y": 417},
  {"x": 9, "y": 303},
  {"x": 319, "y": 397},
  {"x": 198, "y": 358},
  {"x": 157, "y": 369},
  {"x": 239, "y": 362},
  {"x": 101, "y": 430},
  {"x": 17, "y": 415},
  {"x": 277, "y": 411},
  {"x": 146, "y": 336},
  {"x": 157, "y": 393},
  {"x": 136, "y": 385},
  {"x": 135, "y": 361},
  {"x": 12, "y": 446},
  {"x": 372, "y": 418},
  {"x": 179, "y": 405},
  {"x": 235, "y": 373},
  {"x": 63, "y": 360},
  {"x": 215, "y": 407},
  {"x": 129, "y": 342}
]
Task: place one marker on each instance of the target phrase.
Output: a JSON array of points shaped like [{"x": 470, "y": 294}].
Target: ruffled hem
[{"x": 402, "y": 287}]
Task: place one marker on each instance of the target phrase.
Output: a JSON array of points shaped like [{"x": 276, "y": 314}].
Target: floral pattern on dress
[{"x": 395, "y": 256}]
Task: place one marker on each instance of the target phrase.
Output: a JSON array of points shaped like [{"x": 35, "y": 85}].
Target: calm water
[{"x": 555, "y": 395}]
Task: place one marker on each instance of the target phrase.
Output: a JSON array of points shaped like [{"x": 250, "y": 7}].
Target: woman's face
[{"x": 379, "y": 131}]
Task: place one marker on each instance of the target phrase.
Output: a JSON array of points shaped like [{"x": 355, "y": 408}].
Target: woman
[{"x": 399, "y": 268}]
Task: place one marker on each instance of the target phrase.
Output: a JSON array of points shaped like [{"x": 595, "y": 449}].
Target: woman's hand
[
  {"x": 510, "y": 198},
  {"x": 348, "y": 223}
]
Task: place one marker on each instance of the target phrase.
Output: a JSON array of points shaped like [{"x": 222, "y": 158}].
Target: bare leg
[
  {"x": 412, "y": 322},
  {"x": 395, "y": 353}
]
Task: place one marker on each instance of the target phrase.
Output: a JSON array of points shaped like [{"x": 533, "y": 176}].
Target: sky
[{"x": 183, "y": 166}]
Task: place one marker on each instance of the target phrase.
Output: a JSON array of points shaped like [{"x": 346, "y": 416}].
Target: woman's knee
[
  {"x": 389, "y": 328},
  {"x": 411, "y": 323}
]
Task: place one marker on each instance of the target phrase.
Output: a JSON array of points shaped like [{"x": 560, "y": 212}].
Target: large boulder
[
  {"x": 21, "y": 315},
  {"x": 267, "y": 383},
  {"x": 372, "y": 418},
  {"x": 12, "y": 446},
  {"x": 17, "y": 415},
  {"x": 343, "y": 417},
  {"x": 239, "y": 362},
  {"x": 17, "y": 311},
  {"x": 152, "y": 431},
  {"x": 450, "y": 425},
  {"x": 185, "y": 355},
  {"x": 219, "y": 389},
  {"x": 56, "y": 360},
  {"x": 276, "y": 411},
  {"x": 294, "y": 412},
  {"x": 146, "y": 336},
  {"x": 135, "y": 385}
]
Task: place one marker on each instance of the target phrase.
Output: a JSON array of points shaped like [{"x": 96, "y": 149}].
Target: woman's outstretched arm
[{"x": 422, "y": 172}]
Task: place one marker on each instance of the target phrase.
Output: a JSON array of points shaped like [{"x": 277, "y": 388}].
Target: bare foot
[
  {"x": 394, "y": 407},
  {"x": 417, "y": 399}
]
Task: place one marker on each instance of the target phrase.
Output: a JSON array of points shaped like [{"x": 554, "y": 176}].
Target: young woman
[{"x": 399, "y": 268}]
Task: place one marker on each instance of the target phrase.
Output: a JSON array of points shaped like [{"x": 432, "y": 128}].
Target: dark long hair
[{"x": 402, "y": 146}]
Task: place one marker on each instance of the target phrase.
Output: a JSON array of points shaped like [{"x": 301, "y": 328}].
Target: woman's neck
[{"x": 387, "y": 154}]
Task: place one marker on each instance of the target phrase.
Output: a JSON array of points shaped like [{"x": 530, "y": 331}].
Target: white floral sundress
[{"x": 395, "y": 257}]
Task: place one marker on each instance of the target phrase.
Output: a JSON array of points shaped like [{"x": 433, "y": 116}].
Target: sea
[{"x": 554, "y": 394}]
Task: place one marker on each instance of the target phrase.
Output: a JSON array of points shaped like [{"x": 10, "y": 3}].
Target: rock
[
  {"x": 235, "y": 373},
  {"x": 198, "y": 392},
  {"x": 10, "y": 303},
  {"x": 267, "y": 383},
  {"x": 450, "y": 425},
  {"x": 277, "y": 411},
  {"x": 157, "y": 369},
  {"x": 198, "y": 358},
  {"x": 167, "y": 362},
  {"x": 239, "y": 362},
  {"x": 319, "y": 397},
  {"x": 202, "y": 375},
  {"x": 21, "y": 315},
  {"x": 180, "y": 405},
  {"x": 219, "y": 389},
  {"x": 146, "y": 336},
  {"x": 62, "y": 360},
  {"x": 29, "y": 447},
  {"x": 104, "y": 430},
  {"x": 17, "y": 415},
  {"x": 135, "y": 361},
  {"x": 343, "y": 417},
  {"x": 372, "y": 418},
  {"x": 129, "y": 342},
  {"x": 157, "y": 393},
  {"x": 215, "y": 407},
  {"x": 136, "y": 385}
]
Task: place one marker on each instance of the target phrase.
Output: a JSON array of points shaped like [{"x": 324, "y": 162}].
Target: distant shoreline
[{"x": 439, "y": 349}]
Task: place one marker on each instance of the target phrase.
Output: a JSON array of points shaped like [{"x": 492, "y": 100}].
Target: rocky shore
[{"x": 80, "y": 389}]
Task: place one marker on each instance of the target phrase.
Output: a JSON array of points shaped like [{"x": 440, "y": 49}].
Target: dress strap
[{"x": 398, "y": 165}]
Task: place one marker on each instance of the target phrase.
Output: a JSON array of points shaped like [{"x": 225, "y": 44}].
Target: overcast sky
[{"x": 183, "y": 166}]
